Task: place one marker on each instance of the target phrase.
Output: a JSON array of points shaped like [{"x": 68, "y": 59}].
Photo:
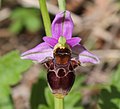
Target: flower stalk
[
  {"x": 62, "y": 5},
  {"x": 59, "y": 103},
  {"x": 45, "y": 17}
]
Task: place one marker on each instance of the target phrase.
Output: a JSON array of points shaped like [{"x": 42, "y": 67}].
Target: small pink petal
[
  {"x": 73, "y": 41},
  {"x": 51, "y": 41}
]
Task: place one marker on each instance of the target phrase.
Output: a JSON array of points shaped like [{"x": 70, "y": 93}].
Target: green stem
[
  {"x": 0, "y": 3},
  {"x": 45, "y": 16},
  {"x": 62, "y": 5},
  {"x": 59, "y": 103}
]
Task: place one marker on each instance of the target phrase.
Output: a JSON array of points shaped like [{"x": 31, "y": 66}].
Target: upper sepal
[{"x": 62, "y": 25}]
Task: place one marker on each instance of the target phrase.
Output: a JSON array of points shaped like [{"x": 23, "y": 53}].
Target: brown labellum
[{"x": 60, "y": 74}]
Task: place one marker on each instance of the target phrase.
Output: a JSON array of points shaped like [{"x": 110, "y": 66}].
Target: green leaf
[
  {"x": 49, "y": 98},
  {"x": 25, "y": 17},
  {"x": 78, "y": 82},
  {"x": 116, "y": 101},
  {"x": 107, "y": 98},
  {"x": 71, "y": 99},
  {"x": 4, "y": 91},
  {"x": 43, "y": 107},
  {"x": 37, "y": 95},
  {"x": 11, "y": 68},
  {"x": 16, "y": 27},
  {"x": 80, "y": 107},
  {"x": 32, "y": 23},
  {"x": 116, "y": 78},
  {"x": 6, "y": 103},
  {"x": 18, "y": 13}
]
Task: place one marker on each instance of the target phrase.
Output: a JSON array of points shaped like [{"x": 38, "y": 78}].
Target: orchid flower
[{"x": 62, "y": 28}]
